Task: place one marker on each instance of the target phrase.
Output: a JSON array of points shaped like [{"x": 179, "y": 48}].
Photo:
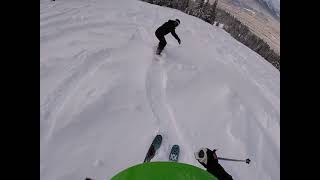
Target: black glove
[
  {"x": 179, "y": 41},
  {"x": 213, "y": 167},
  {"x": 212, "y": 159}
]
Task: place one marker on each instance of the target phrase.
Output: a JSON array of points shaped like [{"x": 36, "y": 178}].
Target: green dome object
[{"x": 164, "y": 171}]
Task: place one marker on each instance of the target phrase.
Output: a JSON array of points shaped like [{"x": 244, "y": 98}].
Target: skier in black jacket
[
  {"x": 168, "y": 27},
  {"x": 209, "y": 160}
]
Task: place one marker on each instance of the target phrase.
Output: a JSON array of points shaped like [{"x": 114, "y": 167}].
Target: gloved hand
[
  {"x": 210, "y": 158},
  {"x": 179, "y": 41}
]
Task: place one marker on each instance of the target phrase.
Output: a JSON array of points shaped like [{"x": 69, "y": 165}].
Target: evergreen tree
[
  {"x": 174, "y": 4},
  {"x": 206, "y": 16},
  {"x": 190, "y": 8},
  {"x": 181, "y": 4},
  {"x": 162, "y": 2},
  {"x": 198, "y": 9},
  {"x": 201, "y": 3},
  {"x": 213, "y": 12}
]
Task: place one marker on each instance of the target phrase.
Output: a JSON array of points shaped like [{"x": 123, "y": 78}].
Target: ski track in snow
[
  {"x": 156, "y": 82},
  {"x": 55, "y": 102}
]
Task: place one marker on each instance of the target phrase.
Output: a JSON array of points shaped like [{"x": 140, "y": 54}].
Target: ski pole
[{"x": 227, "y": 159}]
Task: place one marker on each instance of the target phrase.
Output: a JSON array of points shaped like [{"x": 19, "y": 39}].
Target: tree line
[{"x": 199, "y": 8}]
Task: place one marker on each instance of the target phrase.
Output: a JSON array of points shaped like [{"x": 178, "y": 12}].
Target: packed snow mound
[{"x": 104, "y": 95}]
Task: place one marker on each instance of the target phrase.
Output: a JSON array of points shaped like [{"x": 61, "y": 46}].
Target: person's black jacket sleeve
[
  {"x": 175, "y": 36},
  {"x": 218, "y": 171},
  {"x": 215, "y": 168}
]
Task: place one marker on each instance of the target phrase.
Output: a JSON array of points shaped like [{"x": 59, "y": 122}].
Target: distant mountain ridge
[{"x": 266, "y": 7}]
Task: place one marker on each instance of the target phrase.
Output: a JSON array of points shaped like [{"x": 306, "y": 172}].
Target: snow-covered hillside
[{"x": 104, "y": 95}]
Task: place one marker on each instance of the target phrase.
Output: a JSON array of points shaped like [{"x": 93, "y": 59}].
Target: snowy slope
[{"x": 104, "y": 95}]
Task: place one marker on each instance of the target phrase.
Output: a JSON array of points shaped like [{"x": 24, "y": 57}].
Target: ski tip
[
  {"x": 176, "y": 146},
  {"x": 158, "y": 136}
]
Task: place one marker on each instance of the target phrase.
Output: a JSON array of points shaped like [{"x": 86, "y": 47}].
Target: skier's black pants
[{"x": 162, "y": 40}]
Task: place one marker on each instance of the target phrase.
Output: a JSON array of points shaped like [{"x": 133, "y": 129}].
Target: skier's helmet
[{"x": 177, "y": 22}]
